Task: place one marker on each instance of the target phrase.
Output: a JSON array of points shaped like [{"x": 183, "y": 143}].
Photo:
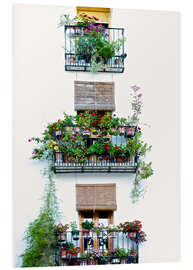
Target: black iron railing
[
  {"x": 63, "y": 162},
  {"x": 105, "y": 245},
  {"x": 75, "y": 60}
]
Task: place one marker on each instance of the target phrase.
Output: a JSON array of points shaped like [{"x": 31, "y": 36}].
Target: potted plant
[
  {"x": 74, "y": 251},
  {"x": 131, "y": 228},
  {"x": 133, "y": 253},
  {"x": 83, "y": 259},
  {"x": 99, "y": 229},
  {"x": 60, "y": 231},
  {"x": 75, "y": 231},
  {"x": 120, "y": 153},
  {"x": 64, "y": 250},
  {"x": 94, "y": 256},
  {"x": 87, "y": 226},
  {"x": 112, "y": 230}
]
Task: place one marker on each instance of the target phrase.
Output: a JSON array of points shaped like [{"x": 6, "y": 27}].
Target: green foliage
[
  {"x": 40, "y": 242},
  {"x": 39, "y": 236},
  {"x": 74, "y": 227},
  {"x": 120, "y": 252},
  {"x": 87, "y": 225}
]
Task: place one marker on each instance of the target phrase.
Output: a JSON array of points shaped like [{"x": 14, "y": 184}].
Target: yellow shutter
[{"x": 103, "y": 14}]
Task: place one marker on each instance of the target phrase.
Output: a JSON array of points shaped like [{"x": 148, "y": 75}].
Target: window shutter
[{"x": 96, "y": 197}]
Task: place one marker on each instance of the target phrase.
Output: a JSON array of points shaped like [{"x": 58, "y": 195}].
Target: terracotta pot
[
  {"x": 63, "y": 253},
  {"x": 120, "y": 159},
  {"x": 133, "y": 253},
  {"x": 85, "y": 232}
]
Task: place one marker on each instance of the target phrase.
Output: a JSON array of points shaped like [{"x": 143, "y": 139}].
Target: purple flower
[
  {"x": 106, "y": 35},
  {"x": 135, "y": 88},
  {"x": 29, "y": 140},
  {"x": 140, "y": 95}
]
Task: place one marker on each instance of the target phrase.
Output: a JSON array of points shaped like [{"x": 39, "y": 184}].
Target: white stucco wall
[{"x": 42, "y": 91}]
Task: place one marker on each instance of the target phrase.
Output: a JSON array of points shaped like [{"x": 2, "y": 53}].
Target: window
[{"x": 103, "y": 14}]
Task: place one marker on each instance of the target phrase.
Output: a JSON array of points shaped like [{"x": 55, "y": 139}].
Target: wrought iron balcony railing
[
  {"x": 105, "y": 162},
  {"x": 105, "y": 245},
  {"x": 62, "y": 163},
  {"x": 77, "y": 60}
]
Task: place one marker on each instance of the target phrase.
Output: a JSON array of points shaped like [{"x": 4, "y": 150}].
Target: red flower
[
  {"x": 117, "y": 147},
  {"x": 93, "y": 114}
]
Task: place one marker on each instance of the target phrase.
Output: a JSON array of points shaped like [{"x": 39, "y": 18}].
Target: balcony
[
  {"x": 85, "y": 52},
  {"x": 100, "y": 157},
  {"x": 113, "y": 247}
]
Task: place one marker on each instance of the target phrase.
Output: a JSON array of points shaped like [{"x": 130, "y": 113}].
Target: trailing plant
[
  {"x": 39, "y": 236},
  {"x": 138, "y": 147}
]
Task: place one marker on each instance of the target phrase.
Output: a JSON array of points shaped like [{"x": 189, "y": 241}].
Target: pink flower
[
  {"x": 29, "y": 140},
  {"x": 140, "y": 95}
]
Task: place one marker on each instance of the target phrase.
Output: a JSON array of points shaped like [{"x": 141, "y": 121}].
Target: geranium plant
[{"x": 131, "y": 226}]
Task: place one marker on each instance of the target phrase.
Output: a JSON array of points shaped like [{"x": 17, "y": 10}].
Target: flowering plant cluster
[
  {"x": 95, "y": 254},
  {"x": 131, "y": 226},
  {"x": 92, "y": 43},
  {"x": 85, "y": 20},
  {"x": 67, "y": 136},
  {"x": 71, "y": 136},
  {"x": 74, "y": 251}
]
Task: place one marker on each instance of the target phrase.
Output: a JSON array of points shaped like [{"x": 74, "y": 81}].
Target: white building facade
[{"x": 43, "y": 90}]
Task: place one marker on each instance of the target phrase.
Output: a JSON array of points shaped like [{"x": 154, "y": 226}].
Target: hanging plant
[{"x": 39, "y": 236}]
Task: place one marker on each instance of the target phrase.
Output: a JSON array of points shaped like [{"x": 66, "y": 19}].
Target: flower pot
[
  {"x": 85, "y": 232},
  {"x": 132, "y": 234},
  {"x": 62, "y": 236},
  {"x": 63, "y": 253},
  {"x": 121, "y": 131},
  {"x": 133, "y": 253},
  {"x": 75, "y": 235},
  {"x": 117, "y": 61},
  {"x": 120, "y": 159},
  {"x": 130, "y": 131},
  {"x": 123, "y": 261},
  {"x": 91, "y": 262}
]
